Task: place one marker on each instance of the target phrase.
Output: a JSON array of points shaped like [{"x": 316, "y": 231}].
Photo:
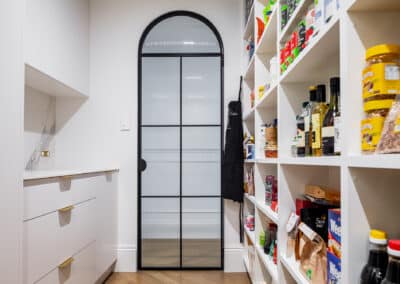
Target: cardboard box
[
  {"x": 334, "y": 269},
  {"x": 334, "y": 232}
]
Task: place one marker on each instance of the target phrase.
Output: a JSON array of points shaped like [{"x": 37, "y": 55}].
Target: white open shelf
[
  {"x": 249, "y": 74},
  {"x": 271, "y": 267},
  {"x": 292, "y": 266},
  {"x": 251, "y": 235},
  {"x": 251, "y": 198},
  {"x": 249, "y": 28},
  {"x": 368, "y": 183},
  {"x": 46, "y": 84}
]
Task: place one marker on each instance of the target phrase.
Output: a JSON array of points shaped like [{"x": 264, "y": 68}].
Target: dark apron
[{"x": 233, "y": 158}]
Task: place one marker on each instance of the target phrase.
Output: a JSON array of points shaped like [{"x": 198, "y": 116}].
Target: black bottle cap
[
  {"x": 313, "y": 94},
  {"x": 321, "y": 93},
  {"x": 335, "y": 85}
]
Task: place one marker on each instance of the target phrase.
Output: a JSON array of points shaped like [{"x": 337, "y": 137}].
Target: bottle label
[
  {"x": 301, "y": 139},
  {"x": 328, "y": 140},
  {"x": 337, "y": 142},
  {"x": 316, "y": 131}
]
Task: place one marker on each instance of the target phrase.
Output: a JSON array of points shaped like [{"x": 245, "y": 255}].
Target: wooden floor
[{"x": 179, "y": 277}]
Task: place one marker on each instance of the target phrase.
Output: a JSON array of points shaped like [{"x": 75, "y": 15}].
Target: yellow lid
[
  {"x": 382, "y": 49},
  {"x": 313, "y": 88},
  {"x": 261, "y": 88},
  {"x": 378, "y": 104},
  {"x": 377, "y": 234}
]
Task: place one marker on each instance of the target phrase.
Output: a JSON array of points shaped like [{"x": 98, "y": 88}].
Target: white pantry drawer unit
[
  {"x": 42, "y": 196},
  {"x": 55, "y": 237},
  {"x": 80, "y": 271}
]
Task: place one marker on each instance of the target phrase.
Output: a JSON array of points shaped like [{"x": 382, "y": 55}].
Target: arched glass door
[{"x": 180, "y": 144}]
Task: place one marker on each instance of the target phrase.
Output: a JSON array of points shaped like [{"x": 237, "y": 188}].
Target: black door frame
[{"x": 221, "y": 125}]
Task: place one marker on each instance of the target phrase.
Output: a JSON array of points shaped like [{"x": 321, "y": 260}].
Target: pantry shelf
[
  {"x": 391, "y": 161},
  {"x": 249, "y": 28},
  {"x": 273, "y": 216},
  {"x": 267, "y": 44},
  {"x": 334, "y": 161},
  {"x": 318, "y": 60},
  {"x": 270, "y": 98},
  {"x": 292, "y": 267},
  {"x": 271, "y": 267},
  {"x": 294, "y": 19}
]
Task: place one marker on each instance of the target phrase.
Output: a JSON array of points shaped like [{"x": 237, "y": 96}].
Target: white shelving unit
[{"x": 368, "y": 183}]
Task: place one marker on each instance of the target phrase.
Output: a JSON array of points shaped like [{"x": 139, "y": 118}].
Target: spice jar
[
  {"x": 381, "y": 75},
  {"x": 371, "y": 127}
]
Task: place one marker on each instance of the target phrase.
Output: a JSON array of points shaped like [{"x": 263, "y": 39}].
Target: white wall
[
  {"x": 91, "y": 137},
  {"x": 11, "y": 142}
]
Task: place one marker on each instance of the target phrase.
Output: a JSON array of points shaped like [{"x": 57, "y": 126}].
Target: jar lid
[
  {"x": 377, "y": 237},
  {"x": 378, "y": 104},
  {"x": 382, "y": 49},
  {"x": 394, "y": 248}
]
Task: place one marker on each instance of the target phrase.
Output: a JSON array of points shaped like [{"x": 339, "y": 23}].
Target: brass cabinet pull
[
  {"x": 66, "y": 263},
  {"x": 66, "y": 209}
]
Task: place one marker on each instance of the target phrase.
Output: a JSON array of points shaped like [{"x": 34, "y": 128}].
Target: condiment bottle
[
  {"x": 393, "y": 270},
  {"x": 317, "y": 118},
  {"x": 373, "y": 272}
]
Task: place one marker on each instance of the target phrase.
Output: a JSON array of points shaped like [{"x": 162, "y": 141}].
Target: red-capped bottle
[{"x": 393, "y": 270}]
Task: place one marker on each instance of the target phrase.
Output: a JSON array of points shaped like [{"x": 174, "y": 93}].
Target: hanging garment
[{"x": 233, "y": 158}]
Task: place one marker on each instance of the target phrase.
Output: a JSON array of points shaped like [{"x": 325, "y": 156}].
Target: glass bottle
[
  {"x": 307, "y": 120},
  {"x": 393, "y": 270},
  {"x": 317, "y": 118},
  {"x": 328, "y": 127},
  {"x": 301, "y": 139},
  {"x": 373, "y": 272}
]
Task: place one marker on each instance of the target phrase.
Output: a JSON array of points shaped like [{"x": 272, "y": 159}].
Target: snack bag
[{"x": 390, "y": 138}]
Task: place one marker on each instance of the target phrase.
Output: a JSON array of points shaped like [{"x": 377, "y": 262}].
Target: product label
[
  {"x": 301, "y": 139},
  {"x": 381, "y": 79},
  {"x": 316, "y": 131},
  {"x": 371, "y": 129},
  {"x": 337, "y": 142},
  {"x": 328, "y": 140}
]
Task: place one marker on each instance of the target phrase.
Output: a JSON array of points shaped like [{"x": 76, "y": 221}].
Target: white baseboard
[{"x": 127, "y": 259}]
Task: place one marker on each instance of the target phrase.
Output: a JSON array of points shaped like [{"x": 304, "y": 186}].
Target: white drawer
[
  {"x": 47, "y": 195},
  {"x": 52, "y": 238},
  {"x": 80, "y": 271}
]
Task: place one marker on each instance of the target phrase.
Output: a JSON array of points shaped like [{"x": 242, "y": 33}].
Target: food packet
[
  {"x": 390, "y": 138},
  {"x": 313, "y": 260}
]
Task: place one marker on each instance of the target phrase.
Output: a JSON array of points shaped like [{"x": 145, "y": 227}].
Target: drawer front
[
  {"x": 80, "y": 271},
  {"x": 47, "y": 195},
  {"x": 52, "y": 238}
]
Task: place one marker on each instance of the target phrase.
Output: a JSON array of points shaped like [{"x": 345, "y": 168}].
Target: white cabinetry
[
  {"x": 57, "y": 46},
  {"x": 69, "y": 226}
]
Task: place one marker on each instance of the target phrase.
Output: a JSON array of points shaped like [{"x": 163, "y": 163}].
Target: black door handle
[{"x": 142, "y": 165}]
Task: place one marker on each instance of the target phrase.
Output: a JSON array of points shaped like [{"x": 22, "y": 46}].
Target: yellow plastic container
[
  {"x": 381, "y": 76},
  {"x": 372, "y": 125}
]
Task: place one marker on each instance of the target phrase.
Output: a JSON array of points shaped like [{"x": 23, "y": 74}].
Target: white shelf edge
[
  {"x": 267, "y": 161},
  {"x": 273, "y": 216},
  {"x": 251, "y": 161},
  {"x": 322, "y": 33},
  {"x": 377, "y": 161},
  {"x": 248, "y": 27},
  {"x": 293, "y": 267},
  {"x": 38, "y": 80},
  {"x": 334, "y": 161},
  {"x": 250, "y": 198},
  {"x": 266, "y": 96},
  {"x": 271, "y": 267},
  {"x": 268, "y": 30},
  {"x": 289, "y": 24},
  {"x": 251, "y": 235}
]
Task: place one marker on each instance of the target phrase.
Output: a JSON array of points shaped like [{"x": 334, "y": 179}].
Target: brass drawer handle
[
  {"x": 66, "y": 263},
  {"x": 66, "y": 209}
]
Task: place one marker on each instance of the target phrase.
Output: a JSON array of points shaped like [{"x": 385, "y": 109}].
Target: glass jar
[
  {"x": 381, "y": 75},
  {"x": 371, "y": 127}
]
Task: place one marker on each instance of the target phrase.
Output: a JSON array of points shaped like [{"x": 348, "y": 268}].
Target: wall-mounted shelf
[{"x": 48, "y": 85}]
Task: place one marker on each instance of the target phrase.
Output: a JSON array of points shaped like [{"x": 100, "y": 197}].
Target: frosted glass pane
[
  {"x": 160, "y": 150},
  {"x": 201, "y": 161},
  {"x": 201, "y": 232},
  {"x": 201, "y": 90},
  {"x": 160, "y": 232},
  {"x": 160, "y": 90},
  {"x": 181, "y": 34}
]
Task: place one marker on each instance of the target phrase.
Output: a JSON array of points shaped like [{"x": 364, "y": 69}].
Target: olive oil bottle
[{"x": 317, "y": 118}]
